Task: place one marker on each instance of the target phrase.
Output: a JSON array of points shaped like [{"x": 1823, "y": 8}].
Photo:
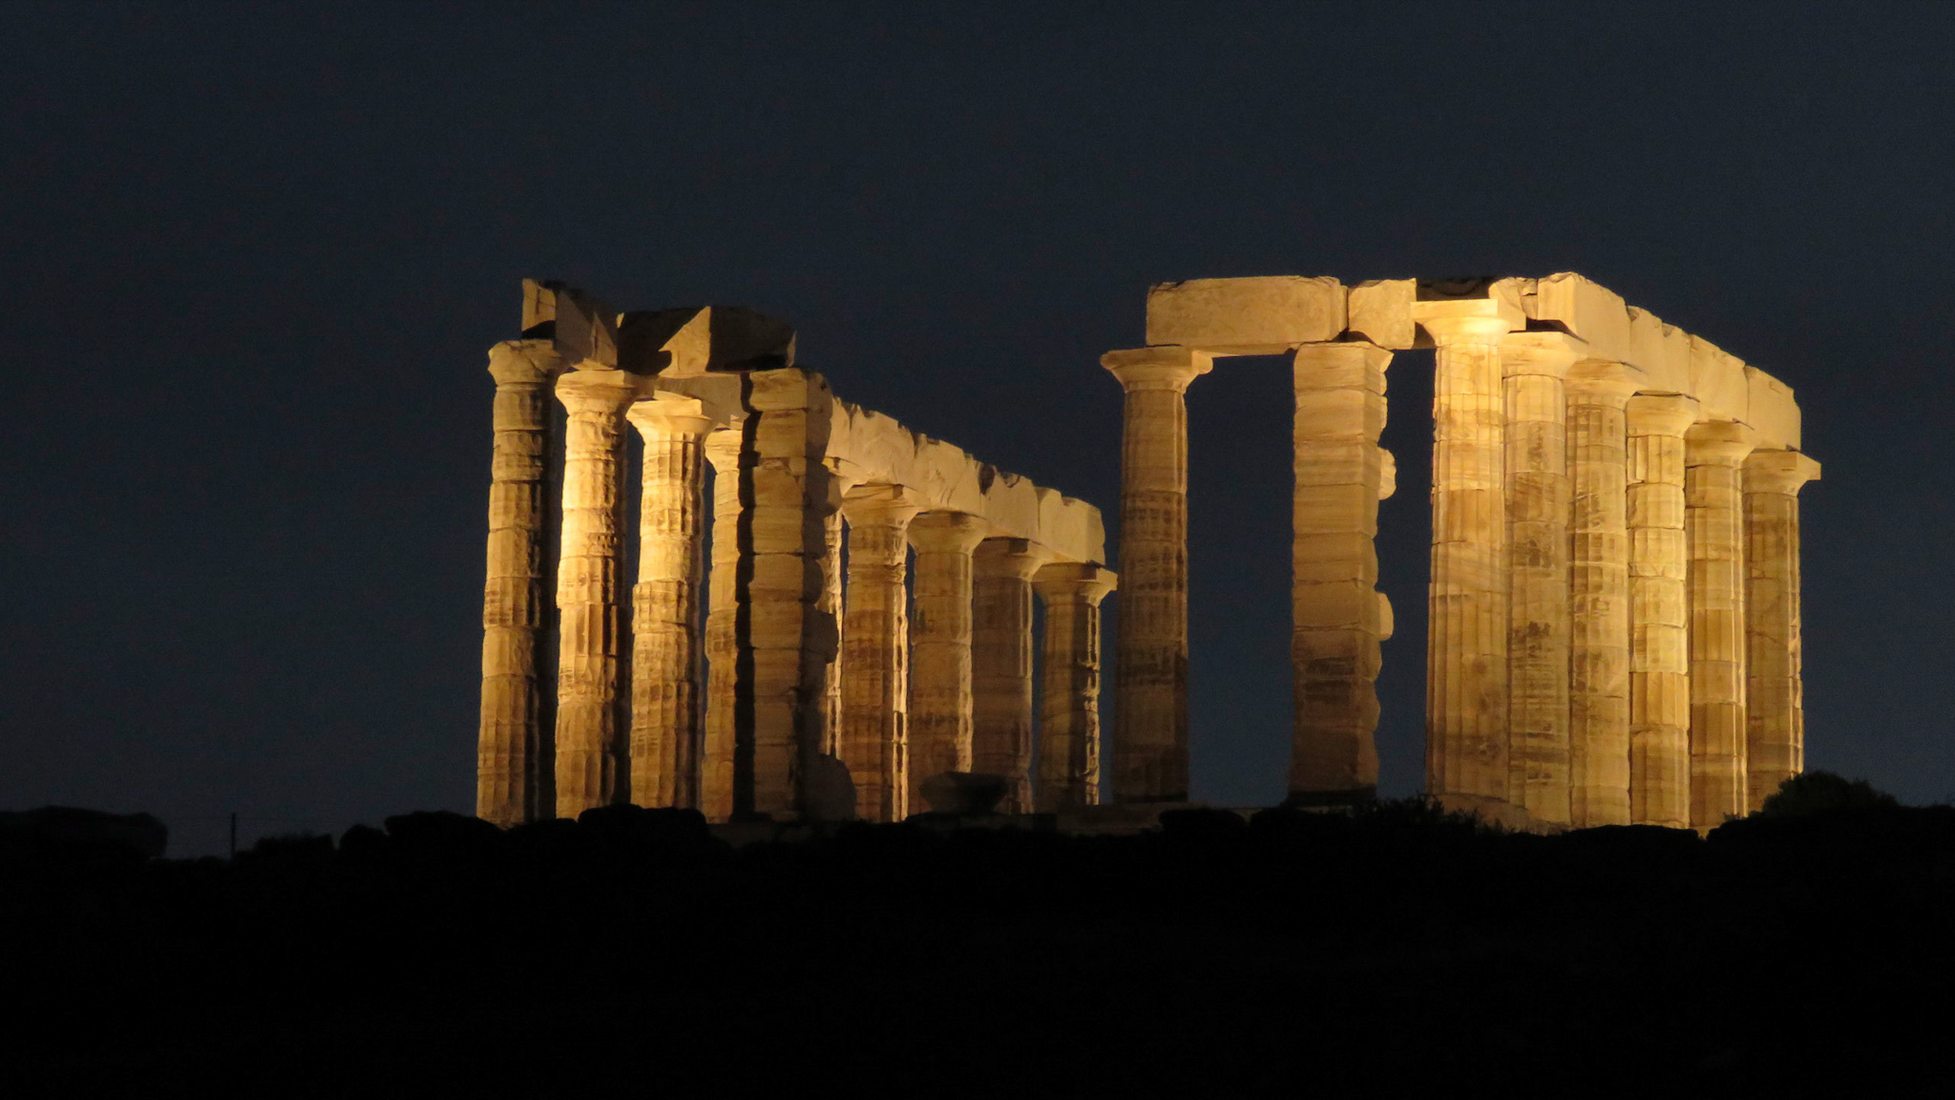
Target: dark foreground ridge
[{"x": 1391, "y": 948}]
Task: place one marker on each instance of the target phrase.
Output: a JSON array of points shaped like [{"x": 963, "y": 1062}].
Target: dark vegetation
[{"x": 1393, "y": 948}]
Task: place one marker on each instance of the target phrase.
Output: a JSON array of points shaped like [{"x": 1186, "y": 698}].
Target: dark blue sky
[{"x": 255, "y": 256}]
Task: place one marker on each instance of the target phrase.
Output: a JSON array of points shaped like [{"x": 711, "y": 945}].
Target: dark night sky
[{"x": 255, "y": 257}]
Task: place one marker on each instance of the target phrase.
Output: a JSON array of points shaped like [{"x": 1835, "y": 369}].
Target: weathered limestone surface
[
  {"x": 940, "y": 646},
  {"x": 513, "y": 751},
  {"x": 723, "y": 451},
  {"x": 1338, "y": 617},
  {"x": 1537, "y": 491},
  {"x": 1265, "y": 315},
  {"x": 665, "y": 671},
  {"x": 876, "y": 654},
  {"x": 1598, "y": 665},
  {"x": 1775, "y": 741},
  {"x": 1001, "y": 665},
  {"x": 1715, "y": 534},
  {"x": 1466, "y": 674},
  {"x": 1659, "y": 652},
  {"x": 1151, "y": 736},
  {"x": 1069, "y": 729}
]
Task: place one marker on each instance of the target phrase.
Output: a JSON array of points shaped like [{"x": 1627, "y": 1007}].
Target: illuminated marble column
[
  {"x": 1714, "y": 534},
  {"x": 1659, "y": 648},
  {"x": 1069, "y": 690},
  {"x": 831, "y": 604},
  {"x": 665, "y": 652},
  {"x": 1001, "y": 665},
  {"x": 1338, "y": 618},
  {"x": 1775, "y": 720},
  {"x": 940, "y": 646},
  {"x": 1535, "y": 365},
  {"x": 1598, "y": 594},
  {"x": 1466, "y": 647},
  {"x": 591, "y": 746},
  {"x": 1150, "y": 747},
  {"x": 723, "y": 450},
  {"x": 513, "y": 762},
  {"x": 876, "y": 652}
]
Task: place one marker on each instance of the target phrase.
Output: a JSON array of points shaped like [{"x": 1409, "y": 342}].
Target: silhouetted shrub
[{"x": 1824, "y": 792}]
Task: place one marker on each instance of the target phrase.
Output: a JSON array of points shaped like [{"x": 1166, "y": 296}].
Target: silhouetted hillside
[{"x": 1389, "y": 949}]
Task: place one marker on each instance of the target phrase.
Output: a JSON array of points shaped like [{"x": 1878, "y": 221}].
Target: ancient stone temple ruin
[
  {"x": 799, "y": 694},
  {"x": 1614, "y": 596},
  {"x": 1613, "y": 602}
]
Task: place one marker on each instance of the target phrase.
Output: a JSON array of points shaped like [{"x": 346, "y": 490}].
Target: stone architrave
[
  {"x": 1001, "y": 665},
  {"x": 592, "y": 756},
  {"x": 876, "y": 652},
  {"x": 1775, "y": 721},
  {"x": 1338, "y": 617},
  {"x": 724, "y": 451},
  {"x": 1598, "y": 593},
  {"x": 1069, "y": 718},
  {"x": 1714, "y": 527},
  {"x": 940, "y": 646},
  {"x": 1151, "y": 736},
  {"x": 1659, "y": 649},
  {"x": 1466, "y": 651},
  {"x": 665, "y": 652},
  {"x": 513, "y": 761},
  {"x": 1535, "y": 366}
]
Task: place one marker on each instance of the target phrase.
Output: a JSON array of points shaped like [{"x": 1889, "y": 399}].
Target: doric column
[
  {"x": 1338, "y": 618},
  {"x": 1598, "y": 594},
  {"x": 1775, "y": 720},
  {"x": 1001, "y": 665},
  {"x": 513, "y": 763},
  {"x": 1659, "y": 650},
  {"x": 876, "y": 651},
  {"x": 1150, "y": 746},
  {"x": 1069, "y": 659},
  {"x": 1466, "y": 645},
  {"x": 723, "y": 450},
  {"x": 831, "y": 604},
  {"x": 940, "y": 646},
  {"x": 665, "y": 651},
  {"x": 1534, "y": 366},
  {"x": 591, "y": 748},
  {"x": 1714, "y": 530}
]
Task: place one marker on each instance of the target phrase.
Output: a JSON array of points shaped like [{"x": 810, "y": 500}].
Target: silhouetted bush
[{"x": 1824, "y": 792}]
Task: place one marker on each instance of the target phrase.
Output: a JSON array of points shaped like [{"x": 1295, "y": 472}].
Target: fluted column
[
  {"x": 1069, "y": 690},
  {"x": 1338, "y": 618},
  {"x": 876, "y": 652},
  {"x": 513, "y": 753},
  {"x": 591, "y": 745},
  {"x": 1001, "y": 665},
  {"x": 1534, "y": 366},
  {"x": 1598, "y": 594},
  {"x": 1775, "y": 741},
  {"x": 831, "y": 604},
  {"x": 665, "y": 651},
  {"x": 940, "y": 646},
  {"x": 1150, "y": 746},
  {"x": 1466, "y": 647},
  {"x": 1714, "y": 529},
  {"x": 723, "y": 450},
  {"x": 1659, "y": 650}
]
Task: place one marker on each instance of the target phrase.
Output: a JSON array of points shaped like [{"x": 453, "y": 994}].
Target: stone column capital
[
  {"x": 1006, "y": 557},
  {"x": 525, "y": 362},
  {"x": 1467, "y": 320},
  {"x": 1602, "y": 382},
  {"x": 596, "y": 390},
  {"x": 1669, "y": 414},
  {"x": 1166, "y": 367},
  {"x": 669, "y": 414},
  {"x": 723, "y": 450},
  {"x": 1342, "y": 358},
  {"x": 1075, "y": 582},
  {"x": 879, "y": 505},
  {"x": 1542, "y": 354},
  {"x": 947, "y": 532},
  {"x": 1718, "y": 443},
  {"x": 1784, "y": 472}
]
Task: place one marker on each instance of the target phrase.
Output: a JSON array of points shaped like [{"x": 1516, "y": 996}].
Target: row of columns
[{"x": 802, "y": 668}]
